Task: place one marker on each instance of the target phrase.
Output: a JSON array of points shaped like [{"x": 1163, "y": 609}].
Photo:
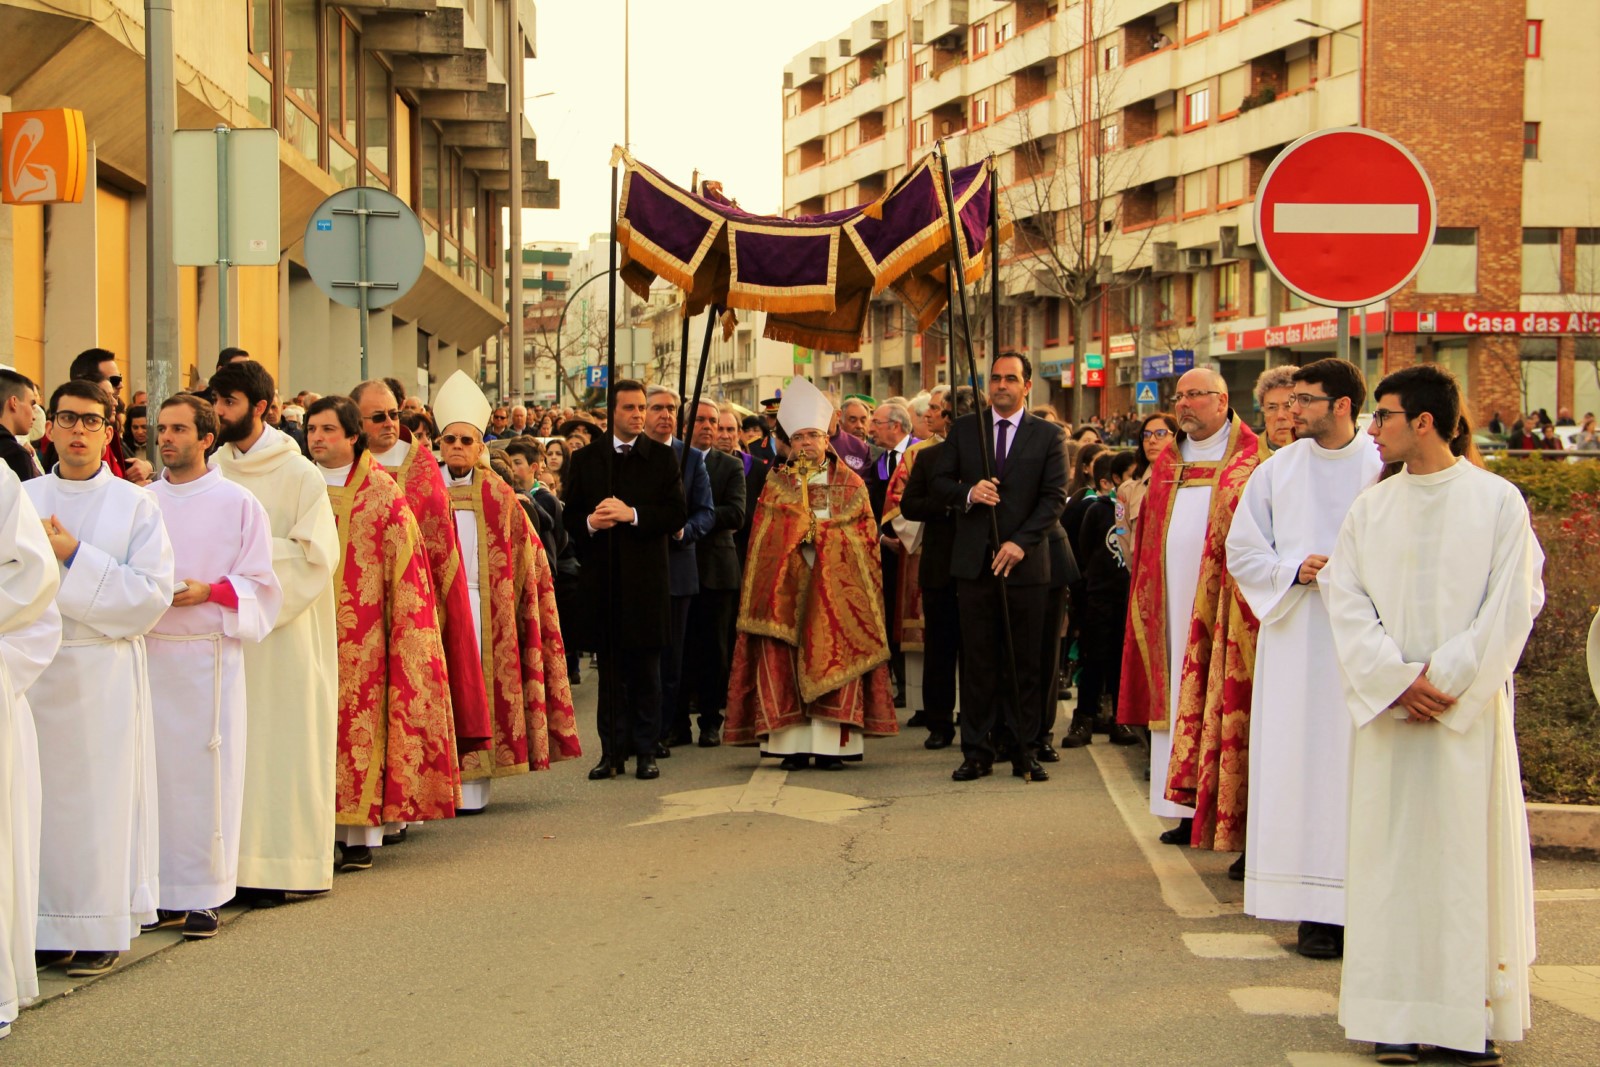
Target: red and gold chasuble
[
  {"x": 523, "y": 662},
  {"x": 1209, "y": 768},
  {"x": 396, "y": 759},
  {"x": 812, "y": 641},
  {"x": 907, "y": 624},
  {"x": 430, "y": 503}
]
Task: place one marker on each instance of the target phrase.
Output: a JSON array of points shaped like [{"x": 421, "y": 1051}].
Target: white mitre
[
  {"x": 804, "y": 407},
  {"x": 460, "y": 400}
]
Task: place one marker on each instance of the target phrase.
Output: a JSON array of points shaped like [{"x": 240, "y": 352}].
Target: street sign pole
[
  {"x": 1343, "y": 317},
  {"x": 364, "y": 283},
  {"x": 222, "y": 237}
]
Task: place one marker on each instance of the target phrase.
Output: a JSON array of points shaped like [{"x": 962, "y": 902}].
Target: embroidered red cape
[
  {"x": 1209, "y": 766},
  {"x": 812, "y": 641},
  {"x": 430, "y": 503},
  {"x": 396, "y": 759},
  {"x": 523, "y": 662},
  {"x": 907, "y": 623}
]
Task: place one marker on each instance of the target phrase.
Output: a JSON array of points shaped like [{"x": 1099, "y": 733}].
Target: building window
[
  {"x": 1052, "y": 322},
  {"x": 1002, "y": 33},
  {"x": 1110, "y": 137},
  {"x": 1113, "y": 56},
  {"x": 922, "y": 131},
  {"x": 1535, "y": 38},
  {"x": 375, "y": 118},
  {"x": 258, "y": 78},
  {"x": 1166, "y": 301},
  {"x": 920, "y": 71},
  {"x": 980, "y": 112},
  {"x": 1541, "y": 260},
  {"x": 1197, "y": 18},
  {"x": 1196, "y": 192},
  {"x": 1451, "y": 265},
  {"x": 1586, "y": 275},
  {"x": 1197, "y": 106},
  {"x": 980, "y": 39},
  {"x": 1226, "y": 284},
  {"x": 1530, "y": 140},
  {"x": 301, "y": 119}
]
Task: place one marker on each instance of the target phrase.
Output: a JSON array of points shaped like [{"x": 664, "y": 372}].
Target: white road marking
[
  {"x": 1575, "y": 988},
  {"x": 1234, "y": 946},
  {"x": 1181, "y": 888},
  {"x": 1284, "y": 1000},
  {"x": 1544, "y": 896},
  {"x": 1346, "y": 218},
  {"x": 766, "y": 791},
  {"x": 1329, "y": 1059}
]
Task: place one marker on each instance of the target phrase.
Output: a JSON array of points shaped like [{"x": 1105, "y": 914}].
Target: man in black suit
[
  {"x": 707, "y": 647},
  {"x": 1024, "y": 498},
  {"x": 625, "y": 527},
  {"x": 890, "y": 428},
  {"x": 660, "y": 421}
]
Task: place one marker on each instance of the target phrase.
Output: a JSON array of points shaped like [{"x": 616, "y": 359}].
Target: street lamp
[{"x": 561, "y": 323}]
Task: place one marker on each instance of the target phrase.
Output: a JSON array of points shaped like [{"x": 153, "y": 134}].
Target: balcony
[
  {"x": 1279, "y": 122},
  {"x": 873, "y": 157},
  {"x": 1142, "y": 79},
  {"x": 932, "y": 93},
  {"x": 806, "y": 126},
  {"x": 1146, "y": 162},
  {"x": 809, "y": 183},
  {"x": 1276, "y": 27},
  {"x": 943, "y": 16},
  {"x": 869, "y": 95},
  {"x": 1035, "y": 45}
]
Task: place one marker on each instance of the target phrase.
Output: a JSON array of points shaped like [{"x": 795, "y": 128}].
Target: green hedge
[{"x": 1549, "y": 485}]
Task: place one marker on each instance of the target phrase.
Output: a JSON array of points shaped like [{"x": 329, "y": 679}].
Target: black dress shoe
[
  {"x": 1489, "y": 1057},
  {"x": 606, "y": 768},
  {"x": 1122, "y": 735},
  {"x": 662, "y": 751},
  {"x": 1180, "y": 834},
  {"x": 1080, "y": 733},
  {"x": 830, "y": 763},
  {"x": 971, "y": 770},
  {"x": 1320, "y": 941},
  {"x": 899, "y": 700},
  {"x": 1030, "y": 769},
  {"x": 1047, "y": 754},
  {"x": 795, "y": 763},
  {"x": 1236, "y": 869},
  {"x": 918, "y": 718},
  {"x": 710, "y": 738},
  {"x": 1397, "y": 1053},
  {"x": 938, "y": 739},
  {"x": 646, "y": 769},
  {"x": 681, "y": 737}
]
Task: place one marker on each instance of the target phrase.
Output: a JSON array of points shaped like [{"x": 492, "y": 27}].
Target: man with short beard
[
  {"x": 1183, "y": 610},
  {"x": 226, "y": 595},
  {"x": 293, "y": 672},
  {"x": 413, "y": 468}
]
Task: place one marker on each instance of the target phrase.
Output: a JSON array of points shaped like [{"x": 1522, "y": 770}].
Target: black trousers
[
  {"x": 672, "y": 665},
  {"x": 708, "y": 658},
  {"x": 634, "y": 720},
  {"x": 1100, "y": 656},
  {"x": 986, "y": 700},
  {"x": 941, "y": 652},
  {"x": 891, "y": 591},
  {"x": 1050, "y": 641}
]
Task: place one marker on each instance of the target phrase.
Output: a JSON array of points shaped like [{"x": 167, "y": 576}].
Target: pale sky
[{"x": 706, "y": 92}]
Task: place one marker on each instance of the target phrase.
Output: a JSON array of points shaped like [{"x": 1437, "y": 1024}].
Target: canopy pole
[
  {"x": 986, "y": 445},
  {"x": 699, "y": 380},
  {"x": 612, "y": 727}
]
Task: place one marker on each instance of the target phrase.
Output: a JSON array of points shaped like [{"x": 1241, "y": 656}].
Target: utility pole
[
  {"x": 161, "y": 290},
  {"x": 514, "y": 95}
]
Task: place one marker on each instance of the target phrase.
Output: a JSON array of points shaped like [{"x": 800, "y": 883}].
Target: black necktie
[
  {"x": 1000, "y": 446},
  {"x": 623, "y": 450},
  {"x": 891, "y": 462}
]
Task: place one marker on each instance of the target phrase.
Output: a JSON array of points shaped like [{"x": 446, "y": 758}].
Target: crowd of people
[{"x": 1313, "y": 629}]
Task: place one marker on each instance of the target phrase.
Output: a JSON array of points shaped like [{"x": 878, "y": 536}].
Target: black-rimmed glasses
[
  {"x": 380, "y": 417},
  {"x": 1380, "y": 414},
  {"x": 68, "y": 419}
]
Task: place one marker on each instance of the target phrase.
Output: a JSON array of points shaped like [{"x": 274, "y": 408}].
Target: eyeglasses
[
  {"x": 380, "y": 417},
  {"x": 1196, "y": 394},
  {"x": 1380, "y": 414},
  {"x": 68, "y": 419},
  {"x": 1305, "y": 400},
  {"x": 1159, "y": 435},
  {"x": 454, "y": 438},
  {"x": 115, "y": 380}
]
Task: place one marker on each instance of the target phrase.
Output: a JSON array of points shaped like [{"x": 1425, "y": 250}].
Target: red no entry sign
[{"x": 1344, "y": 216}]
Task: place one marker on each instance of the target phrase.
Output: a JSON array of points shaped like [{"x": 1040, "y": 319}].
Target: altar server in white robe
[
  {"x": 1300, "y": 732},
  {"x": 1432, "y": 589},
  {"x": 227, "y": 595},
  {"x": 30, "y": 633},
  {"x": 98, "y": 875},
  {"x": 292, "y": 676}
]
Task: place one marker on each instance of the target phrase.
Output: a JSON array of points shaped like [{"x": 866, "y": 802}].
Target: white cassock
[
  {"x": 1439, "y": 571},
  {"x": 1182, "y": 551},
  {"x": 99, "y": 853},
  {"x": 291, "y": 677},
  {"x": 474, "y": 794},
  {"x": 1300, "y": 732},
  {"x": 30, "y": 633},
  {"x": 219, "y": 532}
]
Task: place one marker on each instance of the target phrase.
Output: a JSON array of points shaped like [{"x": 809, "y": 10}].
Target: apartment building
[
  {"x": 410, "y": 98},
  {"x": 1130, "y": 137},
  {"x": 545, "y": 269}
]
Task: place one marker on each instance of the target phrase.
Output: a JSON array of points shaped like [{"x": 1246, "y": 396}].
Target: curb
[{"x": 1565, "y": 831}]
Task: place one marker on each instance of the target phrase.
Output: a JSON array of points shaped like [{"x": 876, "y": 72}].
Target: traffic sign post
[
  {"x": 1344, "y": 218},
  {"x": 364, "y": 249}
]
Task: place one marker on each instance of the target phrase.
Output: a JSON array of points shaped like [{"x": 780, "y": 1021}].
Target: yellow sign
[{"x": 43, "y": 156}]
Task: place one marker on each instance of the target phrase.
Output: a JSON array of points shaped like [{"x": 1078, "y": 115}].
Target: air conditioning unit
[
  {"x": 880, "y": 30},
  {"x": 1127, "y": 373},
  {"x": 1164, "y": 257},
  {"x": 1228, "y": 242},
  {"x": 1196, "y": 259}
]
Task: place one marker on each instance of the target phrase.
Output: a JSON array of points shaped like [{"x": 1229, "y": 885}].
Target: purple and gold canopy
[{"x": 814, "y": 275}]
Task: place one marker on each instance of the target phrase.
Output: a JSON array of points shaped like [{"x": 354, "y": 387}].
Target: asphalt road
[{"x": 753, "y": 922}]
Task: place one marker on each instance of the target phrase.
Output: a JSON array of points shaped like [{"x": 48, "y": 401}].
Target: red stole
[
  {"x": 523, "y": 662},
  {"x": 907, "y": 624},
  {"x": 396, "y": 759},
  {"x": 430, "y": 503}
]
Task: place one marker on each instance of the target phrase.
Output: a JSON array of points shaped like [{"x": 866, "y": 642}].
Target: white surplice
[
  {"x": 291, "y": 677},
  {"x": 219, "y": 531},
  {"x": 99, "y": 853},
  {"x": 1439, "y": 571},
  {"x": 475, "y": 793},
  {"x": 1300, "y": 732},
  {"x": 1181, "y": 555},
  {"x": 30, "y": 633}
]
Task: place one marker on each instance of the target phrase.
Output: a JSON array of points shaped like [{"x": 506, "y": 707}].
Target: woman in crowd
[{"x": 1157, "y": 432}]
